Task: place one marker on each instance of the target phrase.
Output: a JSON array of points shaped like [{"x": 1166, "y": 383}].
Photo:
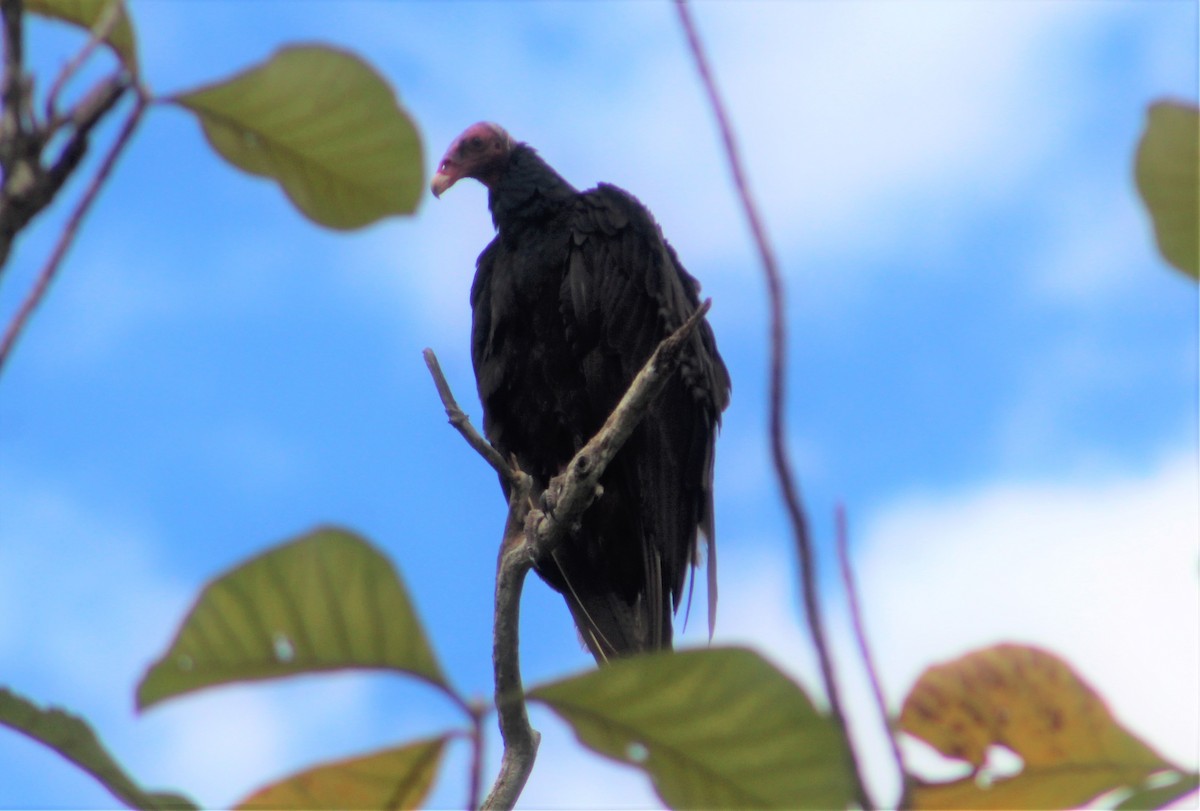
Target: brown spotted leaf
[{"x": 1032, "y": 703}]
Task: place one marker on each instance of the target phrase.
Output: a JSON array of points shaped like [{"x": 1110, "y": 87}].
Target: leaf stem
[
  {"x": 103, "y": 28},
  {"x": 864, "y": 650},
  {"x": 476, "y": 787}
]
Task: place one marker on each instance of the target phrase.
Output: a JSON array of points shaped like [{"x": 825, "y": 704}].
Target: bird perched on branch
[{"x": 569, "y": 301}]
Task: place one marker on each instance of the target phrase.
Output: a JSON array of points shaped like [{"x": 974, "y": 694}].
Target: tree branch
[
  {"x": 777, "y": 390},
  {"x": 572, "y": 491},
  {"x": 521, "y": 740},
  {"x": 14, "y": 88},
  {"x": 531, "y": 534},
  {"x": 462, "y": 423},
  {"x": 50, "y": 269},
  {"x": 29, "y": 186}
]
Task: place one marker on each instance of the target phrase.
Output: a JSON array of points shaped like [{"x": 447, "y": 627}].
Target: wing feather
[{"x": 623, "y": 292}]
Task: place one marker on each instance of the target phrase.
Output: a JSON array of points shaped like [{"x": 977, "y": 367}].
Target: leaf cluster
[
  {"x": 316, "y": 119},
  {"x": 716, "y": 728}
]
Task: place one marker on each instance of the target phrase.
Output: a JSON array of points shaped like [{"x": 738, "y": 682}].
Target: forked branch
[
  {"x": 531, "y": 534},
  {"x": 31, "y": 179}
]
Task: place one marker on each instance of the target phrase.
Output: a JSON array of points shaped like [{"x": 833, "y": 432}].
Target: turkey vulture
[{"x": 569, "y": 301}]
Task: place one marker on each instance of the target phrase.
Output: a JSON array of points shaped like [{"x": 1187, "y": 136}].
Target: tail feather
[{"x": 609, "y": 626}]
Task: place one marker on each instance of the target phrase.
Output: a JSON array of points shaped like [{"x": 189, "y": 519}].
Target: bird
[{"x": 568, "y": 302}]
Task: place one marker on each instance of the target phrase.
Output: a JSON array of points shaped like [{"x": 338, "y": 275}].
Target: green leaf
[
  {"x": 326, "y": 126},
  {"x": 1167, "y": 172},
  {"x": 327, "y": 600},
  {"x": 1032, "y": 703},
  {"x": 718, "y": 728},
  {"x": 74, "y": 739},
  {"x": 87, "y": 14},
  {"x": 396, "y": 778}
]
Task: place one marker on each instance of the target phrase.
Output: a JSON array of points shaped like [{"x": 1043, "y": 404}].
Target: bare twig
[
  {"x": 864, "y": 650},
  {"x": 462, "y": 423},
  {"x": 531, "y": 534},
  {"x": 778, "y": 334},
  {"x": 50, "y": 269}
]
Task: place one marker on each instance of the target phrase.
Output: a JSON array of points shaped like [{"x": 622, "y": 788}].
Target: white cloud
[
  {"x": 1100, "y": 571},
  {"x": 943, "y": 108},
  {"x": 938, "y": 101}
]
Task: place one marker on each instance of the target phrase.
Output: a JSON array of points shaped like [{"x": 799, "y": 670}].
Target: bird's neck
[{"x": 528, "y": 191}]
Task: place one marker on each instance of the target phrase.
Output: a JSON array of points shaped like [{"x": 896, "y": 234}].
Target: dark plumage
[{"x": 569, "y": 300}]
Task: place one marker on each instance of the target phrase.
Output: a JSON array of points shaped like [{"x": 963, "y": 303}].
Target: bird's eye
[{"x": 475, "y": 142}]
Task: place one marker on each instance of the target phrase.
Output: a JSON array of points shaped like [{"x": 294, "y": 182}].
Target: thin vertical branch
[
  {"x": 864, "y": 650},
  {"x": 777, "y": 391},
  {"x": 520, "y": 738},
  {"x": 13, "y": 90},
  {"x": 70, "y": 230}
]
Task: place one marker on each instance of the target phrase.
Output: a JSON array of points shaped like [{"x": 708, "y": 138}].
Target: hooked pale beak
[{"x": 443, "y": 179}]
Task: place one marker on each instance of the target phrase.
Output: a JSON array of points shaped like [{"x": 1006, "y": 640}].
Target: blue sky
[{"x": 990, "y": 366}]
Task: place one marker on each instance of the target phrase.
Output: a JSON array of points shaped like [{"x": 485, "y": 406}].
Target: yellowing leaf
[
  {"x": 718, "y": 728},
  {"x": 74, "y": 739},
  {"x": 1162, "y": 793},
  {"x": 397, "y": 778},
  {"x": 326, "y": 126},
  {"x": 1167, "y": 171},
  {"x": 1031, "y": 702},
  {"x": 327, "y": 600},
  {"x": 87, "y": 14}
]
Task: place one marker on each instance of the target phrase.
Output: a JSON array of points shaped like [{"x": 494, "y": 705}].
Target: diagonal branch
[
  {"x": 531, "y": 534},
  {"x": 787, "y": 481},
  {"x": 50, "y": 269},
  {"x": 30, "y": 182},
  {"x": 573, "y": 491}
]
